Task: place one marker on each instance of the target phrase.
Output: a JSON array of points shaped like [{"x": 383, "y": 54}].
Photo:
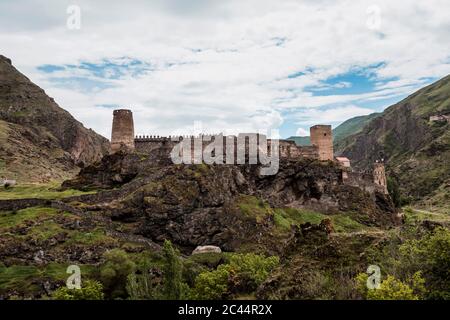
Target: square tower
[
  {"x": 322, "y": 139},
  {"x": 122, "y": 135}
]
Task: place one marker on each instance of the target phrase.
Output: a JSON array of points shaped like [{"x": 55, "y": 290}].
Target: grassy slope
[{"x": 41, "y": 191}]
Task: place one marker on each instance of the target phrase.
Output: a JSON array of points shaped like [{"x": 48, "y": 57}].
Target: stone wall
[
  {"x": 287, "y": 149},
  {"x": 379, "y": 176}
]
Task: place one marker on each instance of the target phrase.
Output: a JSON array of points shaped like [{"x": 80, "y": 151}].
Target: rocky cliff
[
  {"x": 415, "y": 148},
  {"x": 199, "y": 204},
  {"x": 40, "y": 140}
]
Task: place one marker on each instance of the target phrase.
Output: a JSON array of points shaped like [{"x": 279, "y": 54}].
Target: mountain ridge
[{"x": 40, "y": 140}]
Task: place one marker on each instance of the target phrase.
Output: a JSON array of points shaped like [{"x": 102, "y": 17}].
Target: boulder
[{"x": 206, "y": 249}]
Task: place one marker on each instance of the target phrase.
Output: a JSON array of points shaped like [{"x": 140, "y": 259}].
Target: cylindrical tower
[
  {"x": 122, "y": 135},
  {"x": 322, "y": 138}
]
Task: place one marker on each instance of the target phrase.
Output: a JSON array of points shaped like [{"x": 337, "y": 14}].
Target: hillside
[
  {"x": 345, "y": 129},
  {"x": 39, "y": 141},
  {"x": 350, "y": 127},
  {"x": 416, "y": 149}
]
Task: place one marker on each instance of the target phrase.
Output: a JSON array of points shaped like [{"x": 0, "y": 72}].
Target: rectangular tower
[
  {"x": 322, "y": 139},
  {"x": 122, "y": 135}
]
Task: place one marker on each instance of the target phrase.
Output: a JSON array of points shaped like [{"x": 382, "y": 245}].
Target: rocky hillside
[
  {"x": 415, "y": 149},
  {"x": 199, "y": 204},
  {"x": 39, "y": 141},
  {"x": 140, "y": 200}
]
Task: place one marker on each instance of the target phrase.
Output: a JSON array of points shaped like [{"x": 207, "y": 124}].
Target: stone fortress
[{"x": 321, "y": 149}]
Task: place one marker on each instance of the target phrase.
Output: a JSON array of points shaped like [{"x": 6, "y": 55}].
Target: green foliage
[
  {"x": 174, "y": 287},
  {"x": 286, "y": 217},
  {"x": 394, "y": 191},
  {"x": 243, "y": 273},
  {"x": 114, "y": 272},
  {"x": 431, "y": 254},
  {"x": 392, "y": 289},
  {"x": 252, "y": 268},
  {"x": 141, "y": 286},
  {"x": 212, "y": 285},
  {"x": 15, "y": 218},
  {"x": 416, "y": 250},
  {"x": 41, "y": 191},
  {"x": 90, "y": 290}
]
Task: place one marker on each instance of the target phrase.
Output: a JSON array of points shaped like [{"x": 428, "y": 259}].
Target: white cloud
[
  {"x": 302, "y": 132},
  {"x": 226, "y": 63},
  {"x": 330, "y": 116}
]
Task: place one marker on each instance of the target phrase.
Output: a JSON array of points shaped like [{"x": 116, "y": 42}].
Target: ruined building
[
  {"x": 379, "y": 176},
  {"x": 123, "y": 138}
]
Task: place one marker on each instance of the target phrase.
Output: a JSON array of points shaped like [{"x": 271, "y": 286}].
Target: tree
[
  {"x": 114, "y": 272},
  {"x": 91, "y": 290},
  {"x": 174, "y": 287},
  {"x": 394, "y": 191}
]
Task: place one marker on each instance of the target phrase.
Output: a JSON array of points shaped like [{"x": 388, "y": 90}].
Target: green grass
[
  {"x": 12, "y": 219},
  {"x": 284, "y": 218},
  {"x": 26, "y": 279},
  {"x": 40, "y": 191},
  {"x": 343, "y": 222},
  {"x": 418, "y": 215},
  {"x": 253, "y": 207},
  {"x": 96, "y": 236}
]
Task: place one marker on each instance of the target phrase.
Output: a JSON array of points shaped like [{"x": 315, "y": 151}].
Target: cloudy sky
[{"x": 233, "y": 65}]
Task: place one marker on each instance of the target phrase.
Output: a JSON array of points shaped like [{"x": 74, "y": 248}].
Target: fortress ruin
[{"x": 321, "y": 149}]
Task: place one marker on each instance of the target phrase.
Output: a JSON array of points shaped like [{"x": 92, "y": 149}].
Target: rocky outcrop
[
  {"x": 196, "y": 205},
  {"x": 35, "y": 130}
]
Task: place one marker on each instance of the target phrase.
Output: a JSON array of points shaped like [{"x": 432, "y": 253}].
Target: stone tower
[
  {"x": 122, "y": 135},
  {"x": 379, "y": 176},
  {"x": 322, "y": 138}
]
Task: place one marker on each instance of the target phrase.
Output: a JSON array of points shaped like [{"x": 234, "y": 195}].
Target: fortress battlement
[{"x": 123, "y": 138}]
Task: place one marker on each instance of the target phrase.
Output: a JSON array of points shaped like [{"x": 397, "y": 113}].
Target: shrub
[
  {"x": 392, "y": 289},
  {"x": 212, "y": 285},
  {"x": 243, "y": 273},
  {"x": 114, "y": 272},
  {"x": 91, "y": 290},
  {"x": 142, "y": 285}
]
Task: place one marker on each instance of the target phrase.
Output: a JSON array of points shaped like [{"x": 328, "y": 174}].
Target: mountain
[
  {"x": 300, "y": 141},
  {"x": 351, "y": 126},
  {"x": 413, "y": 137},
  {"x": 345, "y": 129},
  {"x": 39, "y": 141}
]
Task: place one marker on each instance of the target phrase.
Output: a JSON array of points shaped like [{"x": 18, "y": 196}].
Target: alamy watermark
[
  {"x": 74, "y": 280},
  {"x": 74, "y": 17},
  {"x": 374, "y": 279},
  {"x": 245, "y": 148}
]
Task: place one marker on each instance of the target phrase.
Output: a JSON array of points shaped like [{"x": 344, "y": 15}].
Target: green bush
[
  {"x": 392, "y": 289},
  {"x": 431, "y": 255},
  {"x": 243, "y": 273},
  {"x": 90, "y": 290},
  {"x": 114, "y": 272},
  {"x": 142, "y": 286},
  {"x": 212, "y": 285}
]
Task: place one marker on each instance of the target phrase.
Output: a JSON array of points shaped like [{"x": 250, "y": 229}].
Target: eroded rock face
[
  {"x": 196, "y": 205},
  {"x": 39, "y": 131}
]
